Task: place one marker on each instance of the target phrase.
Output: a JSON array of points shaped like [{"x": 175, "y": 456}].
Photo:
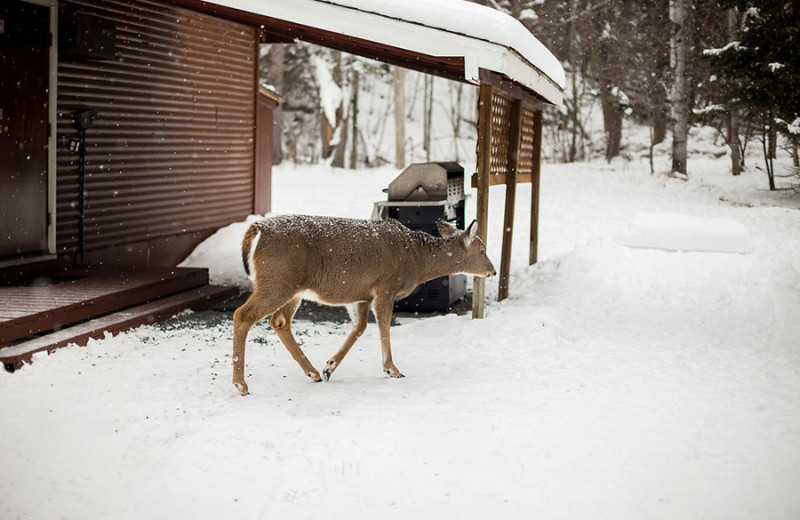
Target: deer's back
[{"x": 340, "y": 260}]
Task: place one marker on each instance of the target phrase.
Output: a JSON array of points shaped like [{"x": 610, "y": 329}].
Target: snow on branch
[{"x": 737, "y": 46}]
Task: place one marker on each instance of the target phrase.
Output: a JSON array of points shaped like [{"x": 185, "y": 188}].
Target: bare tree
[
  {"x": 355, "y": 85},
  {"x": 577, "y": 88},
  {"x": 679, "y": 15},
  {"x": 342, "y": 112},
  {"x": 456, "y": 96},
  {"x": 399, "y": 76},
  {"x": 732, "y": 136},
  {"x": 427, "y": 110},
  {"x": 275, "y": 75}
]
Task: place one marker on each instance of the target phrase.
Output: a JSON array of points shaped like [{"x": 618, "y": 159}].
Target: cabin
[{"x": 131, "y": 130}]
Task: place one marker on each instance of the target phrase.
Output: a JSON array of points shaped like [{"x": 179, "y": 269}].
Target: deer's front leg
[
  {"x": 382, "y": 307},
  {"x": 359, "y": 313}
]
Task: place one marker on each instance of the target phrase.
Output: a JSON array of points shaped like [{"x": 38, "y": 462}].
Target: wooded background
[{"x": 666, "y": 64}]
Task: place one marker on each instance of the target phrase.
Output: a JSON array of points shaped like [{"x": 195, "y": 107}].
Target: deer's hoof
[
  {"x": 242, "y": 388},
  {"x": 314, "y": 377},
  {"x": 394, "y": 373},
  {"x": 329, "y": 368}
]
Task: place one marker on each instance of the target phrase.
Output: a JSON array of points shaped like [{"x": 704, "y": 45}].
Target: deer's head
[{"x": 467, "y": 249}]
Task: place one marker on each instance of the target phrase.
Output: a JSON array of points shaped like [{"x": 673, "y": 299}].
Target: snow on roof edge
[
  {"x": 485, "y": 37},
  {"x": 518, "y": 39}
]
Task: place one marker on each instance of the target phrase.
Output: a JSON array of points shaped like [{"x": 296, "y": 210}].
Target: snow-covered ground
[{"x": 622, "y": 379}]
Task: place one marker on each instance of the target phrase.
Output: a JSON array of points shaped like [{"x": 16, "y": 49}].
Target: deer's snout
[{"x": 490, "y": 270}]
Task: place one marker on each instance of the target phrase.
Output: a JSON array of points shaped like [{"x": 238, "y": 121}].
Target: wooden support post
[
  {"x": 484, "y": 167},
  {"x": 512, "y": 155},
  {"x": 535, "y": 183}
]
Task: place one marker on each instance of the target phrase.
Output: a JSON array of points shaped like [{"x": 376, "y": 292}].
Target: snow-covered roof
[{"x": 485, "y": 38}]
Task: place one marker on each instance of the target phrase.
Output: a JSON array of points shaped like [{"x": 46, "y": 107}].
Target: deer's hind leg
[
  {"x": 251, "y": 312},
  {"x": 281, "y": 322},
  {"x": 359, "y": 314}
]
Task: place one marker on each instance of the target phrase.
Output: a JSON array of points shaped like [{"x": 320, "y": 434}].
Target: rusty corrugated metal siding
[{"x": 172, "y": 149}]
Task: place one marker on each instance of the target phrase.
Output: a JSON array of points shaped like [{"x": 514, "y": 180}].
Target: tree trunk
[
  {"x": 326, "y": 133},
  {"x": 456, "y": 95},
  {"x": 341, "y": 113},
  {"x": 733, "y": 118},
  {"x": 354, "y": 117},
  {"x": 679, "y": 15},
  {"x": 734, "y": 143},
  {"x": 658, "y": 115},
  {"x": 275, "y": 77},
  {"x": 612, "y": 120},
  {"x": 573, "y": 104},
  {"x": 768, "y": 142},
  {"x": 609, "y": 100},
  {"x": 399, "y": 75},
  {"x": 427, "y": 116},
  {"x": 773, "y": 137},
  {"x": 341, "y": 147}
]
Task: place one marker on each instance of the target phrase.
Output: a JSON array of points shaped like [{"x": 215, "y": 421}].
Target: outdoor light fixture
[{"x": 84, "y": 119}]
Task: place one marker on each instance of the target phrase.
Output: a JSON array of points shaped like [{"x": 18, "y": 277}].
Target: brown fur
[{"x": 338, "y": 261}]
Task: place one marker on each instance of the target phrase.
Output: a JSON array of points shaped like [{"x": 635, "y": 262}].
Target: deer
[{"x": 359, "y": 264}]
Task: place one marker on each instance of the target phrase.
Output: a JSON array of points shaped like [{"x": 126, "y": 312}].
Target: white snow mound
[
  {"x": 221, "y": 253},
  {"x": 675, "y": 232}
]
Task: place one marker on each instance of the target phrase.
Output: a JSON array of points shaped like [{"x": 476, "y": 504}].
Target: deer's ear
[
  {"x": 445, "y": 229},
  {"x": 471, "y": 232}
]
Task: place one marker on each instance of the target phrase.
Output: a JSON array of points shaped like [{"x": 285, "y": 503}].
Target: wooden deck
[{"x": 75, "y": 305}]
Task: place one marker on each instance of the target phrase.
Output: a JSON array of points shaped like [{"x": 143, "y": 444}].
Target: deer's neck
[{"x": 437, "y": 259}]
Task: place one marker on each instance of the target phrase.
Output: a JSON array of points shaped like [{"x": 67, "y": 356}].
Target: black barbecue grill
[{"x": 422, "y": 194}]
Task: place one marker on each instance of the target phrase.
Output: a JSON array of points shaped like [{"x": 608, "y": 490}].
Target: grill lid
[{"x": 428, "y": 181}]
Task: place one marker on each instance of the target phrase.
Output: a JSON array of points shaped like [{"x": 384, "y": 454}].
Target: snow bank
[
  {"x": 674, "y": 232},
  {"x": 221, "y": 256},
  {"x": 312, "y": 190}
]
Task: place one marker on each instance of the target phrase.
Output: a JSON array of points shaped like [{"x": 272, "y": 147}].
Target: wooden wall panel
[{"x": 172, "y": 149}]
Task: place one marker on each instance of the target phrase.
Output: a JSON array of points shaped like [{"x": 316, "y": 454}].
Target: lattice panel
[
  {"x": 501, "y": 128},
  {"x": 525, "y": 156}
]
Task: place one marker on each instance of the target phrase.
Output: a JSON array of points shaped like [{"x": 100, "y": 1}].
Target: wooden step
[
  {"x": 15, "y": 356},
  {"x": 84, "y": 293}
]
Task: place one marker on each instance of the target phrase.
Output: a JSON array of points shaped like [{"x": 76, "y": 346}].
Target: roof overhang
[{"x": 449, "y": 38}]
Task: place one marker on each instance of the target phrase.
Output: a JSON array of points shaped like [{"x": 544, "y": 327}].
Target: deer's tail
[{"x": 250, "y": 235}]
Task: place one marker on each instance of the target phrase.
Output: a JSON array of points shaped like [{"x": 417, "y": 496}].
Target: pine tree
[{"x": 760, "y": 72}]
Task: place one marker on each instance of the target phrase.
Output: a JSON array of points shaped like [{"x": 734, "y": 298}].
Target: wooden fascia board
[{"x": 511, "y": 89}]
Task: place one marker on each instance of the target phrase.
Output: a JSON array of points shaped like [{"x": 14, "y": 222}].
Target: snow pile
[
  {"x": 219, "y": 254},
  {"x": 674, "y": 232},
  {"x": 351, "y": 194}
]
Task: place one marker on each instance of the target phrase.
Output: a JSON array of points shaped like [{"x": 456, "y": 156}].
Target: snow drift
[{"x": 674, "y": 232}]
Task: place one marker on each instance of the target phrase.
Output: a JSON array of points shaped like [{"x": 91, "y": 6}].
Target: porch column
[
  {"x": 484, "y": 167},
  {"x": 512, "y": 167},
  {"x": 536, "y": 169}
]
